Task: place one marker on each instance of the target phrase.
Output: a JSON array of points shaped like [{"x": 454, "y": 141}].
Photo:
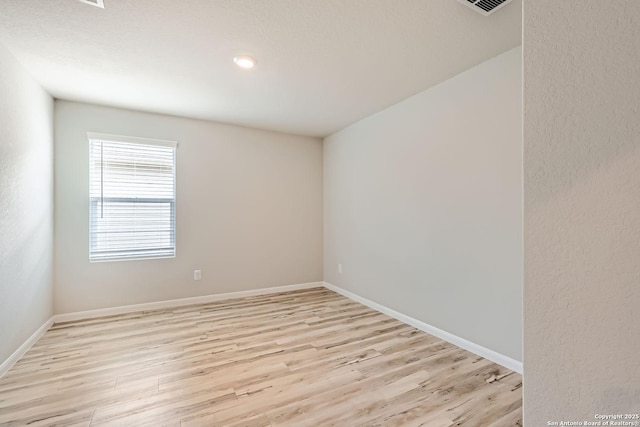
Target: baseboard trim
[
  {"x": 8, "y": 364},
  {"x": 491, "y": 355},
  {"x": 102, "y": 312}
]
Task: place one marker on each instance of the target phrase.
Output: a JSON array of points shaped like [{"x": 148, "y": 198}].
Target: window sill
[{"x": 91, "y": 261}]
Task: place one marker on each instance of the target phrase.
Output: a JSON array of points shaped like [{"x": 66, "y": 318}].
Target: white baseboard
[
  {"x": 80, "y": 315},
  {"x": 8, "y": 364},
  {"x": 491, "y": 355}
]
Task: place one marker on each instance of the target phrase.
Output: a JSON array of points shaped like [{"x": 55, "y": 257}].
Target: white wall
[
  {"x": 249, "y": 211},
  {"x": 26, "y": 205},
  {"x": 582, "y": 209},
  {"x": 423, "y": 206}
]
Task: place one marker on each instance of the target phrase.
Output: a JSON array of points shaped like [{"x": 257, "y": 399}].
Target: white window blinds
[{"x": 132, "y": 198}]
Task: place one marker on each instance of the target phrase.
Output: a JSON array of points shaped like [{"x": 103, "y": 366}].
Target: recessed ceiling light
[
  {"x": 245, "y": 61},
  {"x": 97, "y": 3}
]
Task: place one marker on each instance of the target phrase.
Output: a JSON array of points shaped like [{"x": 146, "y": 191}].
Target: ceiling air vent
[
  {"x": 97, "y": 3},
  {"x": 485, "y": 7}
]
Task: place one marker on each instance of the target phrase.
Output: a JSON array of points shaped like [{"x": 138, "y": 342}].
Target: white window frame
[{"x": 93, "y": 136}]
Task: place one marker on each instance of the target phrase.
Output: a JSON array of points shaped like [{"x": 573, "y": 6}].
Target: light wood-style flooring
[{"x": 304, "y": 358}]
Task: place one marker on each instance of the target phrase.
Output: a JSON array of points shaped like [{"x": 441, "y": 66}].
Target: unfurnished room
[{"x": 261, "y": 213}]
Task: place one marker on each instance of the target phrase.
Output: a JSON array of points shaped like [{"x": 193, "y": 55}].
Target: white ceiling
[{"x": 322, "y": 64}]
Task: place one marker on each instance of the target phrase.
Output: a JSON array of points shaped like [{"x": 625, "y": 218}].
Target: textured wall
[
  {"x": 423, "y": 206},
  {"x": 582, "y": 209},
  {"x": 248, "y": 211},
  {"x": 26, "y": 205}
]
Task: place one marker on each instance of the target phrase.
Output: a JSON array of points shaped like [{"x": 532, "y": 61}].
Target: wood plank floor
[{"x": 304, "y": 358}]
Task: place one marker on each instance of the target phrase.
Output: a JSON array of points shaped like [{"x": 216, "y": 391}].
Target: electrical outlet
[
  {"x": 197, "y": 274},
  {"x": 340, "y": 268}
]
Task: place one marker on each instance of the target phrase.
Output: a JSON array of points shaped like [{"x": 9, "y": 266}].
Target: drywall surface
[
  {"x": 582, "y": 210},
  {"x": 248, "y": 211},
  {"x": 26, "y": 205},
  {"x": 423, "y": 206}
]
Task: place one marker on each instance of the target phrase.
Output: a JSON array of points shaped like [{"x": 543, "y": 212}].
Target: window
[{"x": 132, "y": 194}]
